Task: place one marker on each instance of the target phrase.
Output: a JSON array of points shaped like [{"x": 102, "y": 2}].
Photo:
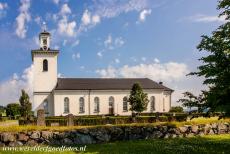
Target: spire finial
[{"x": 44, "y": 26}]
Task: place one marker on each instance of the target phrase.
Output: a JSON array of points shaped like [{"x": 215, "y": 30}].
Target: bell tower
[{"x": 45, "y": 73}]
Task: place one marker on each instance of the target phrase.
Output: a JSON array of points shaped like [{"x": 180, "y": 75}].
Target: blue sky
[{"x": 106, "y": 38}]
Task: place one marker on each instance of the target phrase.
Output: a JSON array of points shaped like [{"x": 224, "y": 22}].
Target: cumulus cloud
[
  {"x": 23, "y": 18},
  {"x": 172, "y": 74},
  {"x": 65, "y": 9},
  {"x": 86, "y": 17},
  {"x": 10, "y": 89},
  {"x": 66, "y": 27},
  {"x": 112, "y": 43},
  {"x": 167, "y": 72},
  {"x": 143, "y": 14}
]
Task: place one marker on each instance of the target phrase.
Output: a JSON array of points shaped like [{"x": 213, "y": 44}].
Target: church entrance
[{"x": 111, "y": 105}]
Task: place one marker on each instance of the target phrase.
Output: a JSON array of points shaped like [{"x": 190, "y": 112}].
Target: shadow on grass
[{"x": 209, "y": 144}]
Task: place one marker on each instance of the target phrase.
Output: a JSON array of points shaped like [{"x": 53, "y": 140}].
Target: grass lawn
[{"x": 208, "y": 144}]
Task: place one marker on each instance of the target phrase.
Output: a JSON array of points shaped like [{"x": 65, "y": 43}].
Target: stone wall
[{"x": 108, "y": 134}]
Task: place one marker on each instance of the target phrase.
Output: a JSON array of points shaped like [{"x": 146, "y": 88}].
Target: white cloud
[
  {"x": 10, "y": 89},
  {"x": 156, "y": 60},
  {"x": 143, "y": 59},
  {"x": 117, "y": 60},
  {"x": 23, "y": 18},
  {"x": 96, "y": 19},
  {"x": 56, "y": 2},
  {"x": 76, "y": 43},
  {"x": 167, "y": 72},
  {"x": 143, "y": 14},
  {"x": 172, "y": 74},
  {"x": 38, "y": 20},
  {"x": 99, "y": 54},
  {"x": 110, "y": 9},
  {"x": 65, "y": 9},
  {"x": 111, "y": 43},
  {"x": 119, "y": 42},
  {"x": 64, "y": 42},
  {"x": 76, "y": 56},
  {"x": 109, "y": 40},
  {"x": 206, "y": 18},
  {"x": 86, "y": 18},
  {"x": 67, "y": 28},
  {"x": 3, "y": 6}
]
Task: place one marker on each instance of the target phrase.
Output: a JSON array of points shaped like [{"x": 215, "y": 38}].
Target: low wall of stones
[{"x": 109, "y": 134}]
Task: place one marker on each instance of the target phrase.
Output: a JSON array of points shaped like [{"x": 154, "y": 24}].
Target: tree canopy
[
  {"x": 138, "y": 99},
  {"x": 26, "y": 106},
  {"x": 216, "y": 65}
]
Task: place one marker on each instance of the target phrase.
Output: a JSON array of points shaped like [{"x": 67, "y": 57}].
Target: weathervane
[{"x": 44, "y": 26}]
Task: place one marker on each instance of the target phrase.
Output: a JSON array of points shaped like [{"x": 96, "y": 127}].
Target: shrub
[{"x": 176, "y": 109}]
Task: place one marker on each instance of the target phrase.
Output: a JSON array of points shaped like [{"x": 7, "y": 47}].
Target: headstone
[
  {"x": 41, "y": 118},
  {"x": 70, "y": 121},
  {"x": 54, "y": 124}
]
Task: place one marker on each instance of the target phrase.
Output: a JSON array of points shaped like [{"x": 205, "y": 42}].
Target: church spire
[{"x": 44, "y": 38}]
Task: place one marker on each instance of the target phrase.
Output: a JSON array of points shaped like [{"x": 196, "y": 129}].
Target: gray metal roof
[{"x": 106, "y": 84}]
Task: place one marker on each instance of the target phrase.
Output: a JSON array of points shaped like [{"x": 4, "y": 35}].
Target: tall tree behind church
[{"x": 216, "y": 66}]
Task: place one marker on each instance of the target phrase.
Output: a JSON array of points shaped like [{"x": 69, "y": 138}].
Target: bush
[{"x": 176, "y": 109}]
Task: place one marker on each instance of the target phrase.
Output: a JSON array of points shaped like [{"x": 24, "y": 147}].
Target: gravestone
[
  {"x": 41, "y": 121},
  {"x": 70, "y": 118}
]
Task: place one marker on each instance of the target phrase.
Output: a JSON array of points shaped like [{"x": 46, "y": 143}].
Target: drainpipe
[{"x": 89, "y": 101}]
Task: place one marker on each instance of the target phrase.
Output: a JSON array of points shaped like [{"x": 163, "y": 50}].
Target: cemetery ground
[
  {"x": 200, "y": 144},
  {"x": 216, "y": 144}
]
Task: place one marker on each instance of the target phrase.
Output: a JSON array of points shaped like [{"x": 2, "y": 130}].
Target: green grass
[
  {"x": 213, "y": 144},
  {"x": 65, "y": 128}
]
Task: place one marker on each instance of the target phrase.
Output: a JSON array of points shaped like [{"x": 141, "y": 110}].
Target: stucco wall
[
  {"x": 162, "y": 101},
  {"x": 45, "y": 81}
]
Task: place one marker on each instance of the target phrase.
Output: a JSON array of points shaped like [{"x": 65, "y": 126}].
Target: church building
[{"x": 87, "y": 96}]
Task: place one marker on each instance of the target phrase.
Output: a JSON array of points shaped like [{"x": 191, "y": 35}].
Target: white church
[{"x": 87, "y": 96}]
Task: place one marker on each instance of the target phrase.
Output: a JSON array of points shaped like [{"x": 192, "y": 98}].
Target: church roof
[{"x": 106, "y": 84}]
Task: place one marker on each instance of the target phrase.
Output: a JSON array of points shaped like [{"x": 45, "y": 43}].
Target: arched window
[
  {"x": 45, "y": 65},
  {"x": 45, "y": 106},
  {"x": 66, "y": 105},
  {"x": 81, "y": 105},
  {"x": 96, "y": 105},
  {"x": 152, "y": 104},
  {"x": 111, "y": 105},
  {"x": 125, "y": 104}
]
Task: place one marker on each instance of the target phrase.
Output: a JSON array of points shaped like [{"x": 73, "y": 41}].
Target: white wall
[
  {"x": 45, "y": 81},
  {"x": 104, "y": 101},
  {"x": 39, "y": 99}
]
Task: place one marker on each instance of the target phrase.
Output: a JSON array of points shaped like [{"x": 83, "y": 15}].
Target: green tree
[
  {"x": 190, "y": 100},
  {"x": 13, "y": 109},
  {"x": 176, "y": 109},
  {"x": 26, "y": 106},
  {"x": 138, "y": 99},
  {"x": 216, "y": 65}
]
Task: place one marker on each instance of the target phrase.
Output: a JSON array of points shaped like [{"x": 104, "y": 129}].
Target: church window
[
  {"x": 152, "y": 104},
  {"x": 125, "y": 104},
  {"x": 66, "y": 105},
  {"x": 81, "y": 105},
  {"x": 96, "y": 105},
  {"x": 45, "y": 105},
  {"x": 45, "y": 65}
]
